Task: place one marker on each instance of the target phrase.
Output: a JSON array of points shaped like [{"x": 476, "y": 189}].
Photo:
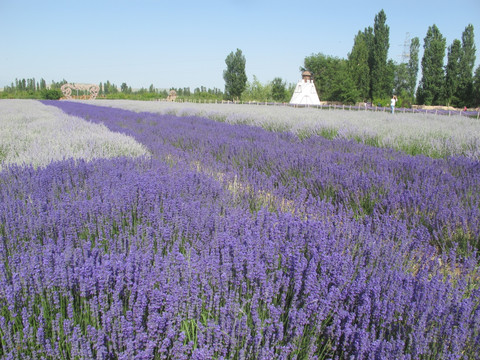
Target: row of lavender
[
  {"x": 427, "y": 134},
  {"x": 147, "y": 258},
  {"x": 441, "y": 195}
]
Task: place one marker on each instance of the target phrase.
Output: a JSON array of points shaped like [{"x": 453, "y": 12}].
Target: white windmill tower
[{"x": 305, "y": 92}]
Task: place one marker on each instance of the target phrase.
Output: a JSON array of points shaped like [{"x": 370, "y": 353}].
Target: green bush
[
  {"x": 52, "y": 94},
  {"x": 381, "y": 102}
]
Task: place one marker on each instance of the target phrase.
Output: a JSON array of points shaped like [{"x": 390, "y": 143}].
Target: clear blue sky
[{"x": 185, "y": 43}]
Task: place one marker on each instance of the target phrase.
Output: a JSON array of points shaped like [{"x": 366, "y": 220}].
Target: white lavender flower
[{"x": 35, "y": 134}]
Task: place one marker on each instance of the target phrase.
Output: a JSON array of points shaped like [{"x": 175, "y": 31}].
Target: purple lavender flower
[{"x": 234, "y": 242}]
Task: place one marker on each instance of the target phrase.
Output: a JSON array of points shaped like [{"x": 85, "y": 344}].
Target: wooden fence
[{"x": 474, "y": 114}]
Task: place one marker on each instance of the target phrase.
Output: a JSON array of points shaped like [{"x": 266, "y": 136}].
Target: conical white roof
[{"x": 305, "y": 92}]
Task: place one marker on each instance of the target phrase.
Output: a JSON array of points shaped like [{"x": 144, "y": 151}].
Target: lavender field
[
  {"x": 428, "y": 134},
  {"x": 220, "y": 240},
  {"x": 36, "y": 135}
]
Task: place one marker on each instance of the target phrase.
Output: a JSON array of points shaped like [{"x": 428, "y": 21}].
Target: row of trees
[
  {"x": 27, "y": 85},
  {"x": 455, "y": 83},
  {"x": 29, "y": 88},
  {"x": 110, "y": 90},
  {"x": 368, "y": 74},
  {"x": 276, "y": 90}
]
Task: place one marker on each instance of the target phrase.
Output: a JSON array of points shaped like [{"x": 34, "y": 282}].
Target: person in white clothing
[{"x": 393, "y": 101}]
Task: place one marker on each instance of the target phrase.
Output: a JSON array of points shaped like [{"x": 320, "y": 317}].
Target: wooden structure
[
  {"x": 172, "y": 95},
  {"x": 91, "y": 89}
]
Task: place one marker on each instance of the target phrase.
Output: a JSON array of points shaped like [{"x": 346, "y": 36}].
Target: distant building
[{"x": 305, "y": 92}]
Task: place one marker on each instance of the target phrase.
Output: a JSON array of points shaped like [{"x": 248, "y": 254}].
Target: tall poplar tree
[
  {"x": 467, "y": 61},
  {"x": 235, "y": 76},
  {"x": 412, "y": 67},
  {"x": 452, "y": 72},
  {"x": 43, "y": 84},
  {"x": 431, "y": 88},
  {"x": 381, "y": 79},
  {"x": 358, "y": 64}
]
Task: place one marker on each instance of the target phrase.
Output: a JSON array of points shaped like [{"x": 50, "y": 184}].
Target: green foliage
[
  {"x": 380, "y": 77},
  {"x": 452, "y": 72},
  {"x": 24, "y": 89},
  {"x": 328, "y": 72},
  {"x": 401, "y": 79},
  {"x": 466, "y": 64},
  {"x": 235, "y": 76},
  {"x": 344, "y": 90},
  {"x": 24, "y": 95},
  {"x": 412, "y": 67},
  {"x": 389, "y": 77},
  {"x": 328, "y": 132},
  {"x": 431, "y": 88},
  {"x": 125, "y": 88},
  {"x": 367, "y": 73},
  {"x": 405, "y": 100},
  {"x": 372, "y": 76},
  {"x": 256, "y": 91},
  {"x": 189, "y": 327},
  {"x": 476, "y": 87},
  {"x": 273, "y": 91},
  {"x": 358, "y": 63},
  {"x": 52, "y": 94},
  {"x": 384, "y": 102},
  {"x": 109, "y": 88},
  {"x": 278, "y": 90},
  {"x": 58, "y": 85},
  {"x": 19, "y": 90}
]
